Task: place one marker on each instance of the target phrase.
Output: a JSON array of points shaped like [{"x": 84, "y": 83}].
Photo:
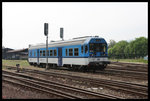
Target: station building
[{"x": 20, "y": 54}]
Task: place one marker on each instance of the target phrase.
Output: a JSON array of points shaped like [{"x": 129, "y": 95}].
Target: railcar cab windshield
[{"x": 97, "y": 47}]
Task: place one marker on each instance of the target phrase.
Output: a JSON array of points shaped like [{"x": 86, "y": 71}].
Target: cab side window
[
  {"x": 81, "y": 49},
  {"x": 86, "y": 48}
]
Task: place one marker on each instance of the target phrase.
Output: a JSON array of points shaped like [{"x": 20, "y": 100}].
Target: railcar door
[
  {"x": 60, "y": 56},
  {"x": 38, "y": 56}
]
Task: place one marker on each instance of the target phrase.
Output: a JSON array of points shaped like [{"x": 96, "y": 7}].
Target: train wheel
[
  {"x": 103, "y": 67},
  {"x": 82, "y": 68},
  {"x": 93, "y": 70}
]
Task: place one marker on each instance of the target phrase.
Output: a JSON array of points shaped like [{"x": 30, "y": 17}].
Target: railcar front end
[{"x": 98, "y": 55}]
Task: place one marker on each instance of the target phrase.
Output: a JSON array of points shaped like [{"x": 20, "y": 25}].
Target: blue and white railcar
[{"x": 82, "y": 53}]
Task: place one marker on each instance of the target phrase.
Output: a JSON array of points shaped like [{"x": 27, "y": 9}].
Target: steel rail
[
  {"x": 64, "y": 86},
  {"x": 101, "y": 82},
  {"x": 38, "y": 89},
  {"x": 130, "y": 64},
  {"x": 126, "y": 68},
  {"x": 108, "y": 71},
  {"x": 126, "y": 71},
  {"x": 126, "y": 75}
]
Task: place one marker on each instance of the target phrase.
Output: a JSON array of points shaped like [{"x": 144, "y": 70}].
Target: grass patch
[
  {"x": 22, "y": 63},
  {"x": 130, "y": 60}
]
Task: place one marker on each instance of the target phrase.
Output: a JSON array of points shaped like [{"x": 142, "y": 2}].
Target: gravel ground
[
  {"x": 78, "y": 84},
  {"x": 102, "y": 76},
  {"x": 94, "y": 75},
  {"x": 10, "y": 91}
]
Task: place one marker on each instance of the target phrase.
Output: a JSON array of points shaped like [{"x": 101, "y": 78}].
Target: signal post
[{"x": 46, "y": 34}]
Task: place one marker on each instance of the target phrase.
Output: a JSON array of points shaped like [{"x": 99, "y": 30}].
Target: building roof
[{"x": 18, "y": 50}]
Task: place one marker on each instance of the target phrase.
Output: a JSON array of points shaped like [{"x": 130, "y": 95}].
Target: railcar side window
[
  {"x": 82, "y": 49},
  {"x": 43, "y": 52},
  {"x": 76, "y": 52},
  {"x": 55, "y": 52},
  {"x": 66, "y": 51},
  {"x": 86, "y": 49},
  {"x": 40, "y": 53},
  {"x": 70, "y": 52},
  {"x": 51, "y": 53}
]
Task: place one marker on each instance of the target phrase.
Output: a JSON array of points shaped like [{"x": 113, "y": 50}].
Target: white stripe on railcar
[
  {"x": 34, "y": 60},
  {"x": 72, "y": 61},
  {"x": 82, "y": 61},
  {"x": 43, "y": 60},
  {"x": 97, "y": 59},
  {"x": 75, "y": 61}
]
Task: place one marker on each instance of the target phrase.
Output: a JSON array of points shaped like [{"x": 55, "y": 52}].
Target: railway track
[
  {"x": 58, "y": 89},
  {"x": 141, "y": 75},
  {"x": 131, "y": 88},
  {"x": 130, "y": 64},
  {"x": 123, "y": 74},
  {"x": 126, "y": 73},
  {"x": 123, "y": 86},
  {"x": 127, "y": 68}
]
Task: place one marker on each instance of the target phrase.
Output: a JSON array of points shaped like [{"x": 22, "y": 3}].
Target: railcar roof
[{"x": 61, "y": 43}]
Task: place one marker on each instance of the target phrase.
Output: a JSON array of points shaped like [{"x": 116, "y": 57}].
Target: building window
[
  {"x": 70, "y": 52},
  {"x": 55, "y": 52},
  {"x": 43, "y": 52},
  {"x": 51, "y": 52},
  {"x": 86, "y": 49},
  {"x": 40, "y": 53},
  {"x": 82, "y": 49},
  {"x": 66, "y": 52},
  {"x": 76, "y": 52}
]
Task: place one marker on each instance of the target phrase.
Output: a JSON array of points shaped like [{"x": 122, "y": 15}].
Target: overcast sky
[{"x": 23, "y": 22}]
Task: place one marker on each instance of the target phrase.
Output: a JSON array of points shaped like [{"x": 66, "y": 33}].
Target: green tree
[
  {"x": 111, "y": 43},
  {"x": 119, "y": 48},
  {"x": 110, "y": 53},
  {"x": 138, "y": 47}
]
